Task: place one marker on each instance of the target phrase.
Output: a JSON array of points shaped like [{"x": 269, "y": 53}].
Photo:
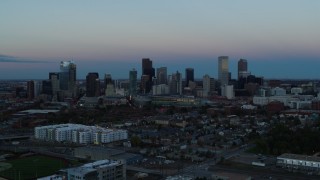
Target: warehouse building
[{"x": 296, "y": 162}]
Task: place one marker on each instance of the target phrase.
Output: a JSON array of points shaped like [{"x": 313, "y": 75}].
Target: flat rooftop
[{"x": 300, "y": 157}]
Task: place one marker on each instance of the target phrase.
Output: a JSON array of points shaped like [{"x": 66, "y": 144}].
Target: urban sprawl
[{"x": 160, "y": 125}]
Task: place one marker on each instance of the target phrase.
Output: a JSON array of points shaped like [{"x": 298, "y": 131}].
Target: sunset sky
[{"x": 279, "y": 38}]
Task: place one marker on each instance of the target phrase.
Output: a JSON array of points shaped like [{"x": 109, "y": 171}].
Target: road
[
  {"x": 257, "y": 173},
  {"x": 208, "y": 167},
  {"x": 202, "y": 169}
]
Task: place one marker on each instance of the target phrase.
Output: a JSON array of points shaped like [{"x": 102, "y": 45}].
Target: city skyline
[{"x": 279, "y": 39}]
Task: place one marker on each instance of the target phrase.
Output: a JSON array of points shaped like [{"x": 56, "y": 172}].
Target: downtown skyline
[{"x": 279, "y": 39}]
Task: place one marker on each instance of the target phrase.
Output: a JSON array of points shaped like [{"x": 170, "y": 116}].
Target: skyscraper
[
  {"x": 107, "y": 79},
  {"x": 133, "y": 82},
  {"x": 175, "y": 83},
  {"x": 223, "y": 70},
  {"x": 189, "y": 76},
  {"x": 109, "y": 85},
  {"x": 30, "y": 89},
  {"x": 208, "y": 84},
  {"x": 47, "y": 87},
  {"x": 162, "y": 75},
  {"x": 147, "y": 70},
  {"x": 92, "y": 85},
  {"x": 54, "y": 78},
  {"x": 145, "y": 84},
  {"x": 67, "y": 78},
  {"x": 242, "y": 68}
]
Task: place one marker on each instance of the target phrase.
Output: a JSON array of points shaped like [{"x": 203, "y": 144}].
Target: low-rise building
[
  {"x": 299, "y": 162},
  {"x": 103, "y": 169}
]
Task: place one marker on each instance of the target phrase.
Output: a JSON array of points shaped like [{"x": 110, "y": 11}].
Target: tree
[{"x": 135, "y": 141}]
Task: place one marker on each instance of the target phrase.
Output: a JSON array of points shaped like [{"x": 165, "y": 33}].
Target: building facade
[
  {"x": 296, "y": 162},
  {"x": 133, "y": 82},
  {"x": 80, "y": 134},
  {"x": 227, "y": 91},
  {"x": 100, "y": 170},
  {"x": 223, "y": 70},
  {"x": 208, "y": 85},
  {"x": 189, "y": 76},
  {"x": 55, "y": 83},
  {"x": 175, "y": 83},
  {"x": 92, "y": 85},
  {"x": 147, "y": 71},
  {"x": 162, "y": 75},
  {"x": 30, "y": 89},
  {"x": 242, "y": 68},
  {"x": 67, "y": 78}
]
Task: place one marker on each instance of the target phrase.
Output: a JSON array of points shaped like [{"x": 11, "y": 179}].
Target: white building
[
  {"x": 160, "y": 89},
  {"x": 208, "y": 85},
  {"x": 78, "y": 133},
  {"x": 110, "y": 90},
  {"x": 294, "y": 102},
  {"x": 262, "y": 101},
  {"x": 248, "y": 107},
  {"x": 100, "y": 170},
  {"x": 53, "y": 177},
  {"x": 300, "y": 104},
  {"x": 227, "y": 91},
  {"x": 278, "y": 92},
  {"x": 296, "y": 91},
  {"x": 299, "y": 162}
]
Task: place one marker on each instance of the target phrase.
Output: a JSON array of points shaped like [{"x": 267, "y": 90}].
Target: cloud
[{"x": 13, "y": 59}]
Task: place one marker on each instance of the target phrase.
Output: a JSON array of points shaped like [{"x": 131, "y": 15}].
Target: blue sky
[{"x": 280, "y": 39}]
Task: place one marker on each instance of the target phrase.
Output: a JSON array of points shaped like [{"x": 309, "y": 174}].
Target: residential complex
[{"x": 78, "y": 133}]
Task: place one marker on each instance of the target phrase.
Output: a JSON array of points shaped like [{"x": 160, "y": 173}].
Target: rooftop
[{"x": 300, "y": 157}]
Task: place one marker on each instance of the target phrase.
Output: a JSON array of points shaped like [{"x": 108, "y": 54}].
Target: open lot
[{"x": 32, "y": 167}]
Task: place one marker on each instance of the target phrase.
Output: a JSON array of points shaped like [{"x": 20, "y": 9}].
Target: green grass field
[{"x": 32, "y": 167}]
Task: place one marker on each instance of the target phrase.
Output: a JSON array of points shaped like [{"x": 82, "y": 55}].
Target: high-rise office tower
[
  {"x": 175, "y": 83},
  {"x": 109, "y": 85},
  {"x": 37, "y": 88},
  {"x": 208, "y": 84},
  {"x": 67, "y": 78},
  {"x": 47, "y": 87},
  {"x": 223, "y": 70},
  {"x": 189, "y": 76},
  {"x": 107, "y": 79},
  {"x": 54, "y": 78},
  {"x": 242, "y": 68},
  {"x": 144, "y": 84},
  {"x": 92, "y": 85},
  {"x": 147, "y": 70},
  {"x": 30, "y": 89},
  {"x": 162, "y": 75},
  {"x": 133, "y": 82}
]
